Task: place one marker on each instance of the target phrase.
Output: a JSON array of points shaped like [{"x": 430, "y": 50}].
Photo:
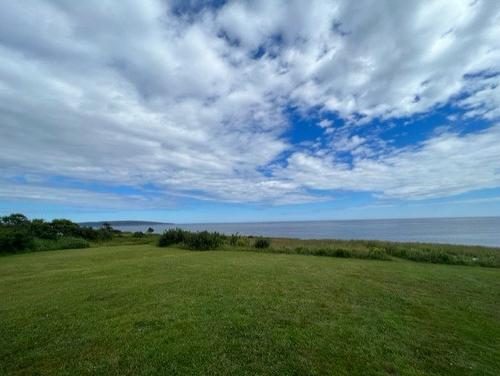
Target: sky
[{"x": 233, "y": 111}]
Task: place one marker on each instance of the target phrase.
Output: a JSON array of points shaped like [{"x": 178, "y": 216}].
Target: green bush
[
  {"x": 138, "y": 234},
  {"x": 376, "y": 253},
  {"x": 262, "y": 243},
  {"x": 14, "y": 240},
  {"x": 173, "y": 236},
  {"x": 234, "y": 239},
  {"x": 201, "y": 241},
  {"x": 41, "y": 229},
  {"x": 204, "y": 240},
  {"x": 340, "y": 252}
]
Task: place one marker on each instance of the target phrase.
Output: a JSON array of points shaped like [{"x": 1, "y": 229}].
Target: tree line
[{"x": 18, "y": 233}]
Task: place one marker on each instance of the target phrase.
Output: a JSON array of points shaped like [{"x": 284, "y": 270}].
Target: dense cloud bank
[{"x": 192, "y": 101}]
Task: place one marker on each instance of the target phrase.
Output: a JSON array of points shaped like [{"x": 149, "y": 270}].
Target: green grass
[
  {"x": 139, "y": 310},
  {"x": 127, "y": 238},
  {"x": 66, "y": 242}
]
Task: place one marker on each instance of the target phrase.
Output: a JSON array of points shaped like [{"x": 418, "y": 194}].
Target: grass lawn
[{"x": 139, "y": 309}]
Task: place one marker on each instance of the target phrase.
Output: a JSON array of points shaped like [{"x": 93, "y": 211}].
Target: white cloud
[
  {"x": 325, "y": 123},
  {"x": 445, "y": 165},
  {"x": 135, "y": 94},
  {"x": 79, "y": 197},
  {"x": 484, "y": 98}
]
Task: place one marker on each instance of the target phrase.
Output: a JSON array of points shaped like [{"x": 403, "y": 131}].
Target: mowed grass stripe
[{"x": 144, "y": 310}]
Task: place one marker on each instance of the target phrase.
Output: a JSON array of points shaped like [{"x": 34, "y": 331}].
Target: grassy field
[{"x": 139, "y": 309}]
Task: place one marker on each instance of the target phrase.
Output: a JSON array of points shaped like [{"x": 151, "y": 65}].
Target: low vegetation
[
  {"x": 360, "y": 249},
  {"x": 19, "y": 234},
  {"x": 205, "y": 240},
  {"x": 262, "y": 243}
]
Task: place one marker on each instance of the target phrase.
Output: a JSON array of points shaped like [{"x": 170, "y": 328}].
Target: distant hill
[{"x": 123, "y": 223}]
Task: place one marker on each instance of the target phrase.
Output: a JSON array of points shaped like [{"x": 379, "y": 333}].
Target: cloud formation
[
  {"x": 194, "y": 101},
  {"x": 444, "y": 165}
]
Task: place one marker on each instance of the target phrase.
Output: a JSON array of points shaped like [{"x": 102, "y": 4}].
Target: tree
[
  {"x": 150, "y": 230},
  {"x": 106, "y": 226},
  {"x": 64, "y": 227},
  {"x": 16, "y": 219}
]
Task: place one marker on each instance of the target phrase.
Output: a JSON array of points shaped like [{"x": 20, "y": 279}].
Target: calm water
[{"x": 476, "y": 231}]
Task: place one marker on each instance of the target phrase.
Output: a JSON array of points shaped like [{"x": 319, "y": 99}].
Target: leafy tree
[
  {"x": 41, "y": 229},
  {"x": 150, "y": 230},
  {"x": 15, "y": 219},
  {"x": 65, "y": 227},
  {"x": 107, "y": 226}
]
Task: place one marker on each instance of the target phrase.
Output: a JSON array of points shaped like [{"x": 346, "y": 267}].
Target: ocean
[{"x": 472, "y": 231}]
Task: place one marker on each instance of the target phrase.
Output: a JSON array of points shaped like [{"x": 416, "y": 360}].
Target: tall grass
[
  {"x": 361, "y": 249},
  {"x": 342, "y": 252},
  {"x": 419, "y": 252}
]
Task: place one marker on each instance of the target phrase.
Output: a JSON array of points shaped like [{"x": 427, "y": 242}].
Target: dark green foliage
[
  {"x": 14, "y": 239},
  {"x": 107, "y": 226},
  {"x": 43, "y": 230},
  {"x": 15, "y": 220},
  {"x": 150, "y": 230},
  {"x": 18, "y": 233},
  {"x": 172, "y": 236},
  {"x": 204, "y": 240},
  {"x": 330, "y": 252},
  {"x": 104, "y": 234},
  {"x": 138, "y": 234},
  {"x": 262, "y": 243},
  {"x": 234, "y": 239},
  {"x": 200, "y": 241},
  {"x": 88, "y": 233},
  {"x": 341, "y": 253},
  {"x": 64, "y": 227}
]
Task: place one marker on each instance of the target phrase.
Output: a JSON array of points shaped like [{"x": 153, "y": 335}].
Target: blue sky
[{"x": 249, "y": 110}]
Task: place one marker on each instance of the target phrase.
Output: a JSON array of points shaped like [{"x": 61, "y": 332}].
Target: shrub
[
  {"x": 262, "y": 243},
  {"x": 104, "y": 234},
  {"x": 172, "y": 236},
  {"x": 87, "y": 233},
  {"x": 64, "y": 227},
  {"x": 204, "y": 240},
  {"x": 234, "y": 239},
  {"x": 41, "y": 229},
  {"x": 138, "y": 234},
  {"x": 340, "y": 252},
  {"x": 150, "y": 230},
  {"x": 377, "y": 254},
  {"x": 14, "y": 240}
]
